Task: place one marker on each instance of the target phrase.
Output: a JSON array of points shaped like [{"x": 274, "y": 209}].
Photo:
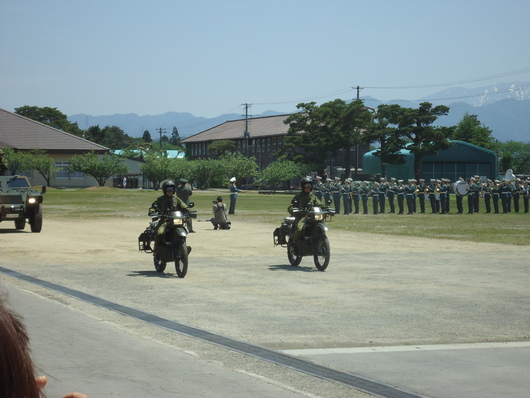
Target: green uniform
[
  {"x": 302, "y": 200},
  {"x": 164, "y": 205}
]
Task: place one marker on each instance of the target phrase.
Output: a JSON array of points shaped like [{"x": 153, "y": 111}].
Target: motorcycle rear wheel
[
  {"x": 160, "y": 265},
  {"x": 292, "y": 254},
  {"x": 181, "y": 264},
  {"x": 322, "y": 253}
]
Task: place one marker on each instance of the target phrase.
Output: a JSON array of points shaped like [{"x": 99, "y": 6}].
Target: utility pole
[
  {"x": 358, "y": 91},
  {"x": 160, "y": 129},
  {"x": 358, "y": 88},
  {"x": 246, "y": 135}
]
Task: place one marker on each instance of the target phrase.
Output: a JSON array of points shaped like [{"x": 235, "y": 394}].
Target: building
[
  {"x": 461, "y": 159},
  {"x": 23, "y": 134},
  {"x": 260, "y": 137}
]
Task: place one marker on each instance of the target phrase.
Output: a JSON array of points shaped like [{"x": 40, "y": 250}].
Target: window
[{"x": 63, "y": 173}]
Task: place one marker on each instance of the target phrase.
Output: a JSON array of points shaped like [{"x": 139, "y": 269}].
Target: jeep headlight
[
  {"x": 178, "y": 222},
  {"x": 32, "y": 201}
]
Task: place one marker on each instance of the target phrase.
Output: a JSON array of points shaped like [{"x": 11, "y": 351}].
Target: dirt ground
[{"x": 377, "y": 291}]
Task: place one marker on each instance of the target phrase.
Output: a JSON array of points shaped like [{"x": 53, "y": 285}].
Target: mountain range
[{"x": 504, "y": 108}]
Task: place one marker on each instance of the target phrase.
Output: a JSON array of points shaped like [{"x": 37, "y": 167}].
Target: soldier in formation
[{"x": 508, "y": 195}]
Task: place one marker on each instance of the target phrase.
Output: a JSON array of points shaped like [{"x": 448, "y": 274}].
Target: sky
[{"x": 209, "y": 57}]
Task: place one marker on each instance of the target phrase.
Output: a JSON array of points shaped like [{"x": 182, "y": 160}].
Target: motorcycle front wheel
[
  {"x": 181, "y": 262},
  {"x": 160, "y": 265},
  {"x": 322, "y": 253},
  {"x": 292, "y": 253}
]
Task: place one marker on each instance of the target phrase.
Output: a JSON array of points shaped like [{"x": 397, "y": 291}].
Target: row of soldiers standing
[{"x": 436, "y": 194}]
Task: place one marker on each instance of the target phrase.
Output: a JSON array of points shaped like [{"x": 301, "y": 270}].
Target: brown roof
[
  {"x": 258, "y": 127},
  {"x": 22, "y": 133}
]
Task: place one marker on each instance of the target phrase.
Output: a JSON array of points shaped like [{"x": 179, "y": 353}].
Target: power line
[
  {"x": 460, "y": 97},
  {"x": 433, "y": 85},
  {"x": 478, "y": 79}
]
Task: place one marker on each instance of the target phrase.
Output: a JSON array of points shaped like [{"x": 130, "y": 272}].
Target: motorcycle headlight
[
  {"x": 319, "y": 217},
  {"x": 178, "y": 221}
]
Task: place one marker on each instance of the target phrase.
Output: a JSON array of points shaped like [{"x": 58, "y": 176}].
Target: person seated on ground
[
  {"x": 17, "y": 373},
  {"x": 219, "y": 219}
]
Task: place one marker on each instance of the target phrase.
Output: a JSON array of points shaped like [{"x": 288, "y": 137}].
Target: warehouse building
[{"x": 461, "y": 159}]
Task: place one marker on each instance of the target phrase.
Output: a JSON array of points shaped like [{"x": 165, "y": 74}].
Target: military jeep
[{"x": 20, "y": 202}]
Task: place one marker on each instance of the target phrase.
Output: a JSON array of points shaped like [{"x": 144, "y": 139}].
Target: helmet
[
  {"x": 167, "y": 184},
  {"x": 306, "y": 180}
]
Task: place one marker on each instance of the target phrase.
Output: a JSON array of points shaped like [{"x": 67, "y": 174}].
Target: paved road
[{"x": 79, "y": 352}]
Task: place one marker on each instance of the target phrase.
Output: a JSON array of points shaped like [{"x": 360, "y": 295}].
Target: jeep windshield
[{"x": 18, "y": 183}]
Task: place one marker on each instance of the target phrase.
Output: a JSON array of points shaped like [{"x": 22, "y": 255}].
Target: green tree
[
  {"x": 516, "y": 156},
  {"x": 14, "y": 161},
  {"x": 471, "y": 130},
  {"x": 43, "y": 163},
  {"x": 115, "y": 138},
  {"x": 147, "y": 136},
  {"x": 50, "y": 116},
  {"x": 344, "y": 124},
  {"x": 181, "y": 168},
  {"x": 175, "y": 137},
  {"x": 281, "y": 171},
  {"x": 207, "y": 173},
  {"x": 239, "y": 166},
  {"x": 383, "y": 130},
  {"x": 416, "y": 125},
  {"x": 112, "y": 137},
  {"x": 320, "y": 132},
  {"x": 100, "y": 167},
  {"x": 157, "y": 167},
  {"x": 307, "y": 140},
  {"x": 219, "y": 147}
]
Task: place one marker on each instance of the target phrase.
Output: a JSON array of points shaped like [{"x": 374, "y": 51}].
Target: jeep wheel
[
  {"x": 20, "y": 223},
  {"x": 35, "y": 219}
]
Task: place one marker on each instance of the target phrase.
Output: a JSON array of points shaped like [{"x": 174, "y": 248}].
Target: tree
[
  {"x": 415, "y": 125},
  {"x": 282, "y": 170},
  {"x": 112, "y": 137},
  {"x": 219, "y": 147},
  {"x": 239, "y": 166},
  {"x": 157, "y": 167},
  {"x": 383, "y": 130},
  {"x": 147, "y": 137},
  {"x": 319, "y": 132},
  {"x": 99, "y": 167},
  {"x": 471, "y": 130},
  {"x": 50, "y": 116},
  {"x": 516, "y": 156},
  {"x": 207, "y": 173},
  {"x": 175, "y": 137},
  {"x": 306, "y": 140},
  {"x": 13, "y": 161},
  {"x": 345, "y": 124},
  {"x": 44, "y": 164}
]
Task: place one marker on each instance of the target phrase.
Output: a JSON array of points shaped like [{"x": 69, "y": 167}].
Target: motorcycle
[
  {"x": 313, "y": 242},
  {"x": 173, "y": 246}
]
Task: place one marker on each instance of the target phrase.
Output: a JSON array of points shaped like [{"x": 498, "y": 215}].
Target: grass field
[{"x": 512, "y": 228}]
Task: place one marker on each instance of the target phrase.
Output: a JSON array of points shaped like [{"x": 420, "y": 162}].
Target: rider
[
  {"x": 303, "y": 200},
  {"x": 163, "y": 205}
]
